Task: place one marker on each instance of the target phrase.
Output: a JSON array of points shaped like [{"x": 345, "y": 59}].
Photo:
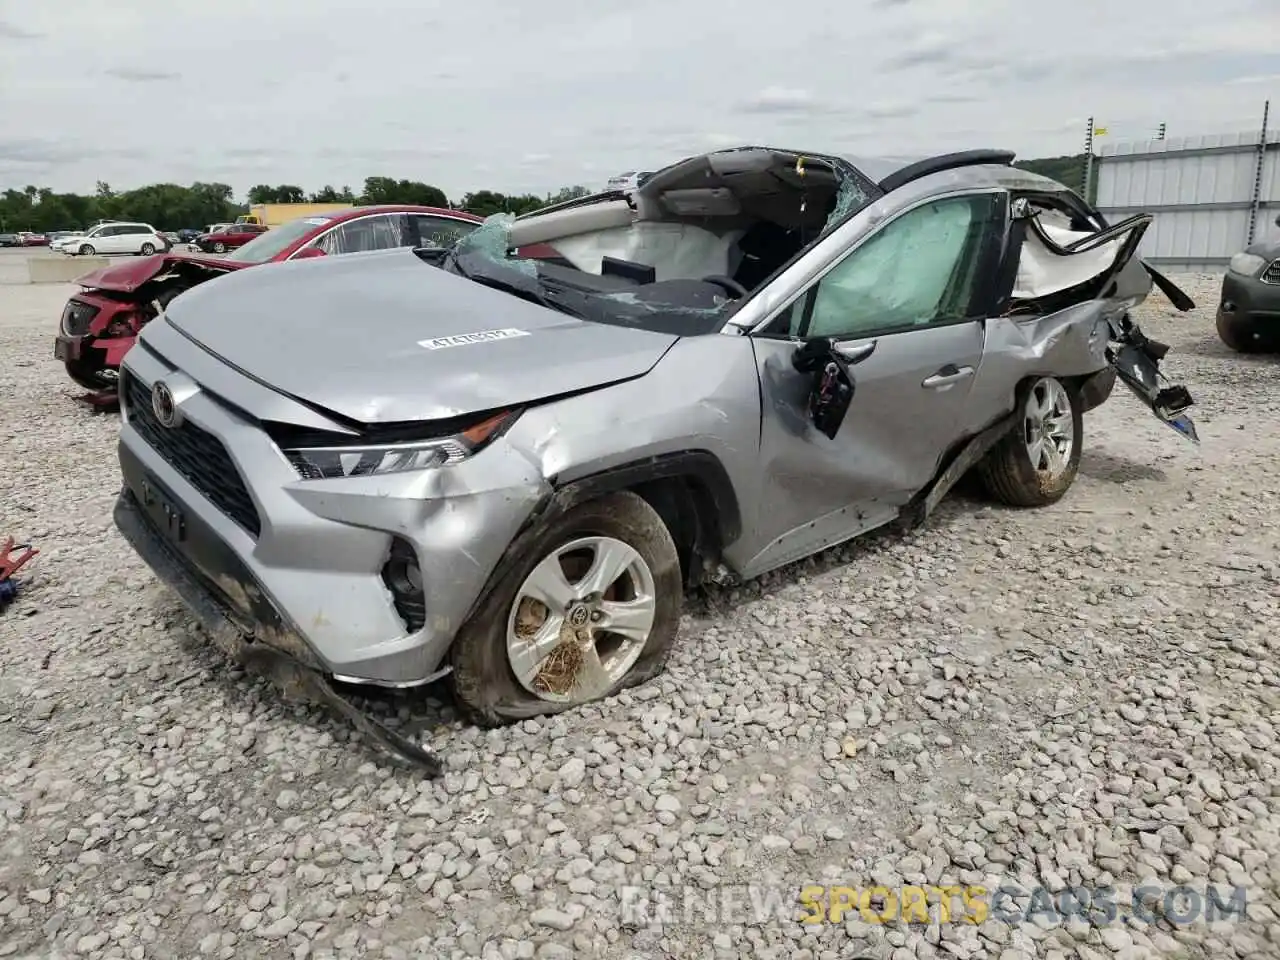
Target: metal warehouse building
[{"x": 1211, "y": 195}]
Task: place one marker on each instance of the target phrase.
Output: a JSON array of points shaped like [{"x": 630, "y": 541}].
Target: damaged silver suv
[{"x": 504, "y": 462}]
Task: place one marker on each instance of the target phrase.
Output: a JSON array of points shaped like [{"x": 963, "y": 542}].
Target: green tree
[
  {"x": 262, "y": 193},
  {"x": 390, "y": 190},
  {"x": 328, "y": 194},
  {"x": 565, "y": 194}
]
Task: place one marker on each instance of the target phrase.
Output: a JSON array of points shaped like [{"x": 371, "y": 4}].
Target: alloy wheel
[
  {"x": 580, "y": 620},
  {"x": 1048, "y": 428}
]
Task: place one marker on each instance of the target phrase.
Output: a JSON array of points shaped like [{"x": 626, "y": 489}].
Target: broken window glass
[
  {"x": 849, "y": 197},
  {"x": 492, "y": 240}
]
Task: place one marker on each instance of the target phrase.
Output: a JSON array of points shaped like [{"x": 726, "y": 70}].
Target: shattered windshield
[
  {"x": 849, "y": 197},
  {"x": 684, "y": 307},
  {"x": 682, "y": 264}
]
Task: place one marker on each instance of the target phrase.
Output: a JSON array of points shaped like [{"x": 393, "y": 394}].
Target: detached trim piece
[{"x": 943, "y": 162}]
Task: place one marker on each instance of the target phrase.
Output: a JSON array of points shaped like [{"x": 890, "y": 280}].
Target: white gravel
[{"x": 1084, "y": 695}]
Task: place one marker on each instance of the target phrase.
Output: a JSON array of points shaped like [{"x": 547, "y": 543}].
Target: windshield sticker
[{"x": 462, "y": 339}]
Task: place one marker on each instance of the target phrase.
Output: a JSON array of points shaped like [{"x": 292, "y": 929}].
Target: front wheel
[
  {"x": 1036, "y": 463},
  {"x": 219, "y": 248},
  {"x": 86, "y": 250},
  {"x": 591, "y": 606}
]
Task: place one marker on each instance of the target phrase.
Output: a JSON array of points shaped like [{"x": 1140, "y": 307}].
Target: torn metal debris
[{"x": 13, "y": 557}]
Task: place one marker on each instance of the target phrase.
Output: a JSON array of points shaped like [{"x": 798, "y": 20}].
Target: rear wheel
[
  {"x": 148, "y": 249},
  {"x": 86, "y": 250},
  {"x": 591, "y": 607},
  {"x": 1036, "y": 463}
]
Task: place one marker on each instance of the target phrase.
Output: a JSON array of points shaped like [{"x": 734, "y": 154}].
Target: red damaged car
[{"x": 100, "y": 323}]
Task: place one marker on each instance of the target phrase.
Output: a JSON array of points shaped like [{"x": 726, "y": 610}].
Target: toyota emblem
[{"x": 163, "y": 406}]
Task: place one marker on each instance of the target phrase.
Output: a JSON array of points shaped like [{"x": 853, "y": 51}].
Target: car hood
[
  {"x": 1268, "y": 249},
  {"x": 383, "y": 337},
  {"x": 129, "y": 276}
]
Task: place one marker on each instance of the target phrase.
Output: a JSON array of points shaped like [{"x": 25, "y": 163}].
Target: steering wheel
[{"x": 730, "y": 286}]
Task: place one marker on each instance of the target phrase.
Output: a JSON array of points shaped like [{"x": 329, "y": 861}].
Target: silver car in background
[{"x": 505, "y": 462}]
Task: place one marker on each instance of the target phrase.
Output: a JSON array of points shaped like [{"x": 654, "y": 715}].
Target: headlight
[
  {"x": 367, "y": 460},
  {"x": 1249, "y": 264}
]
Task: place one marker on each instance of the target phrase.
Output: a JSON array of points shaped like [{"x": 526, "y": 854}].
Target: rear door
[
  {"x": 380, "y": 232},
  {"x": 905, "y": 310}
]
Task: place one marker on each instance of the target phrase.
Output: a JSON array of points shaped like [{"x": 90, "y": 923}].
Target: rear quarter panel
[{"x": 1069, "y": 343}]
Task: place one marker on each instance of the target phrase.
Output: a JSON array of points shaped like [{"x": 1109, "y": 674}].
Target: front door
[
  {"x": 906, "y": 310},
  {"x": 105, "y": 240}
]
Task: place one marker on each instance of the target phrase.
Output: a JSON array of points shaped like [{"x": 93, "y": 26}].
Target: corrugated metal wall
[{"x": 1201, "y": 191}]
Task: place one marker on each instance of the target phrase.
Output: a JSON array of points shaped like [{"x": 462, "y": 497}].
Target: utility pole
[
  {"x": 1255, "y": 201},
  {"x": 1160, "y": 132},
  {"x": 1088, "y": 160}
]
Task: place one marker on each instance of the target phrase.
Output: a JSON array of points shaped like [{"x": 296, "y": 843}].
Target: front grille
[
  {"x": 76, "y": 318},
  {"x": 196, "y": 454},
  {"x": 1272, "y": 273}
]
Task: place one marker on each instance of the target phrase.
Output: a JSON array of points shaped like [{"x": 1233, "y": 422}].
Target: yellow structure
[{"x": 275, "y": 214}]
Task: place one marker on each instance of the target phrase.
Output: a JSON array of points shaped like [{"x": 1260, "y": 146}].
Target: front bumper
[
  {"x": 309, "y": 579},
  {"x": 1249, "y": 301}
]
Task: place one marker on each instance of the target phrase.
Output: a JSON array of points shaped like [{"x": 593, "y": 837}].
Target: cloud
[
  {"x": 779, "y": 100},
  {"x": 134, "y": 75},
  {"x": 1272, "y": 79},
  {"x": 611, "y": 83},
  {"x": 890, "y": 111},
  {"x": 923, "y": 53},
  {"x": 11, "y": 31}
]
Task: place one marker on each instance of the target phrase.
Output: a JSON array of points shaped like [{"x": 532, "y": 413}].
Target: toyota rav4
[{"x": 505, "y": 461}]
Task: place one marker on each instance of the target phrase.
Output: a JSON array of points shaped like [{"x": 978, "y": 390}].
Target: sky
[{"x": 531, "y": 97}]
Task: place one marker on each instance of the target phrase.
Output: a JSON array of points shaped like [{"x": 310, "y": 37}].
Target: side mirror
[
  {"x": 308, "y": 253},
  {"x": 831, "y": 384}
]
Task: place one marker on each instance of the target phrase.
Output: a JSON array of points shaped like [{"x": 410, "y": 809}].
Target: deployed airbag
[
  {"x": 1043, "y": 271},
  {"x": 677, "y": 251}
]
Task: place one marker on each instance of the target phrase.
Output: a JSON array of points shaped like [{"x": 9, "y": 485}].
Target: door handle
[
  {"x": 946, "y": 377},
  {"x": 856, "y": 351}
]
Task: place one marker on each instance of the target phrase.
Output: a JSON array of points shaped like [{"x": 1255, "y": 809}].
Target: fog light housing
[{"x": 403, "y": 578}]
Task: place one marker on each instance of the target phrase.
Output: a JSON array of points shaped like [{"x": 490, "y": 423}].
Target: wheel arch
[{"x": 689, "y": 489}]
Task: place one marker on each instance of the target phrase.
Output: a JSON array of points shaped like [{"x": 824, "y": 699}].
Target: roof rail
[{"x": 946, "y": 161}]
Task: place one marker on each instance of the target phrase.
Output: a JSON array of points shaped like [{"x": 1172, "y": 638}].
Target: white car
[
  {"x": 627, "y": 182},
  {"x": 136, "y": 238}
]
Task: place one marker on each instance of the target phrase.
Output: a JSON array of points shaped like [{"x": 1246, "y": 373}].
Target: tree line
[{"x": 170, "y": 206}]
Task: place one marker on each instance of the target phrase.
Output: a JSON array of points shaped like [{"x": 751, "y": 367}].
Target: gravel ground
[{"x": 1080, "y": 696}]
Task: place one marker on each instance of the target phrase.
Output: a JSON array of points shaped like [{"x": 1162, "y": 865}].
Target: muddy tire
[
  {"x": 86, "y": 250},
  {"x": 1238, "y": 335},
  {"x": 513, "y": 629},
  {"x": 1037, "y": 462}
]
